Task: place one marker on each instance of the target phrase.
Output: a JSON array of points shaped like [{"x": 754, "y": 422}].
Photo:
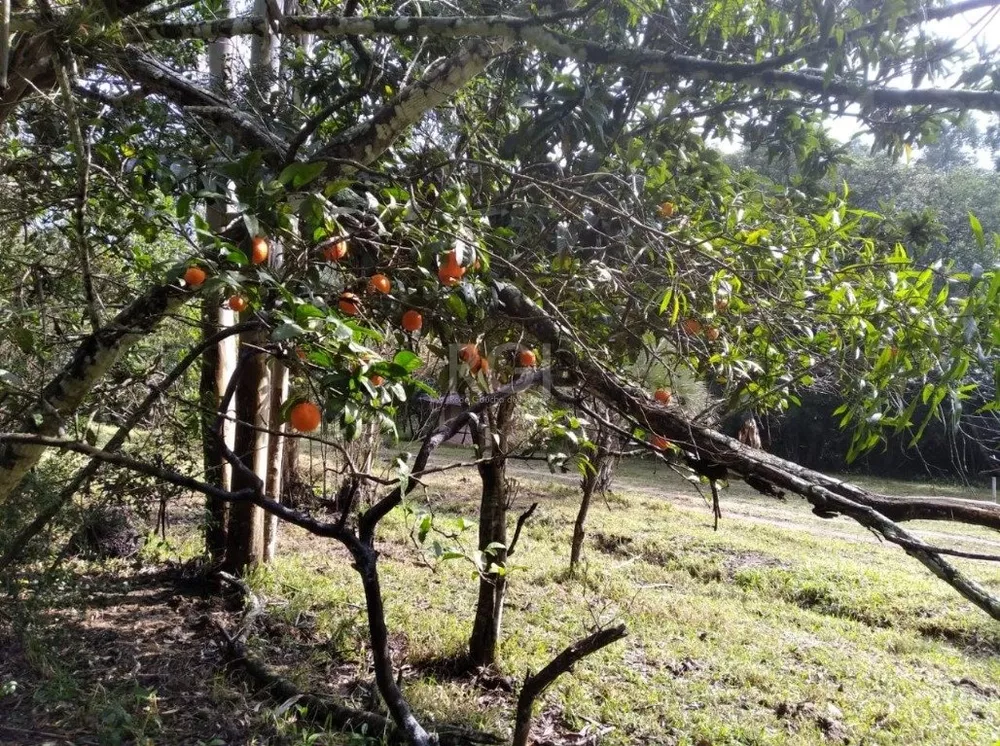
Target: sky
[{"x": 971, "y": 28}]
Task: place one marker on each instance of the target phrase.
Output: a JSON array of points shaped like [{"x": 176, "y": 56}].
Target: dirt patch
[
  {"x": 738, "y": 561},
  {"x": 551, "y": 728},
  {"x": 828, "y": 719},
  {"x": 127, "y": 659},
  {"x": 614, "y": 544}
]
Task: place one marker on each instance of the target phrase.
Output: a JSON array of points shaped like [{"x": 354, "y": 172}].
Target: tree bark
[
  {"x": 245, "y": 528},
  {"x": 597, "y": 479},
  {"x": 366, "y": 559},
  {"x": 217, "y": 364},
  {"x": 217, "y": 469},
  {"x": 485, "y": 635},
  {"x": 492, "y": 585},
  {"x": 535, "y": 685},
  {"x": 275, "y": 454}
]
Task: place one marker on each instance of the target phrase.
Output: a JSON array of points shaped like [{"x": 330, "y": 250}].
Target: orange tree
[{"x": 566, "y": 147}]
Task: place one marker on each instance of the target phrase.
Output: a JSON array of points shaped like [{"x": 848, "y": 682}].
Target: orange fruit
[
  {"x": 258, "y": 249},
  {"x": 660, "y": 442},
  {"x": 336, "y": 250},
  {"x": 692, "y": 326},
  {"x": 526, "y": 359},
  {"x": 305, "y": 417},
  {"x": 480, "y": 365},
  {"x": 349, "y": 303},
  {"x": 712, "y": 333},
  {"x": 195, "y": 276},
  {"x": 667, "y": 210},
  {"x": 379, "y": 284},
  {"x": 450, "y": 276},
  {"x": 238, "y": 303},
  {"x": 468, "y": 353},
  {"x": 662, "y": 396},
  {"x": 412, "y": 321},
  {"x": 377, "y": 380},
  {"x": 450, "y": 272}
]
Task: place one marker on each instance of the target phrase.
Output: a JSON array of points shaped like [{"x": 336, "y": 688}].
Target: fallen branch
[
  {"x": 535, "y": 684},
  {"x": 720, "y": 452}
]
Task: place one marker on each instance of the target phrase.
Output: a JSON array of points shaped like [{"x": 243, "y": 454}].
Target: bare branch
[
  {"x": 533, "y": 33},
  {"x": 535, "y": 685},
  {"x": 156, "y": 76},
  {"x": 370, "y": 518}
]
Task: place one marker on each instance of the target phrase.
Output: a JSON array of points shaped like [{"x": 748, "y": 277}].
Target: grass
[
  {"x": 756, "y": 634},
  {"x": 780, "y": 628}
]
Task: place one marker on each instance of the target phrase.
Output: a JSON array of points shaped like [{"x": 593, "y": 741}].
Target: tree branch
[
  {"x": 370, "y": 518},
  {"x": 722, "y": 452},
  {"x": 117, "y": 441},
  {"x": 535, "y": 685},
  {"x": 157, "y": 77},
  {"x": 94, "y": 356},
  {"x": 532, "y": 32}
]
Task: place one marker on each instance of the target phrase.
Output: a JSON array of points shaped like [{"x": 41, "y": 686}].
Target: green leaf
[
  {"x": 407, "y": 360},
  {"x": 300, "y": 174},
  {"x": 457, "y": 306},
  {"x": 184, "y": 206},
  {"x": 286, "y": 331},
  {"x": 238, "y": 258},
  {"x": 977, "y": 230}
]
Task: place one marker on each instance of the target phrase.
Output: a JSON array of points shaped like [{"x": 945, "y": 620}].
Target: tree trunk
[
  {"x": 492, "y": 585},
  {"x": 597, "y": 479},
  {"x": 216, "y": 468},
  {"x": 245, "y": 533},
  {"x": 218, "y": 361},
  {"x": 275, "y": 454},
  {"x": 492, "y": 530}
]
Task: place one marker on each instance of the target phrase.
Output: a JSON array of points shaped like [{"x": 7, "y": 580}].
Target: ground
[{"x": 780, "y": 628}]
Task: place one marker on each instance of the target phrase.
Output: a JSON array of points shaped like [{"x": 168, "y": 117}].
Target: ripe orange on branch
[
  {"x": 305, "y": 417},
  {"x": 377, "y": 380},
  {"x": 334, "y": 251},
  {"x": 662, "y": 396},
  {"x": 412, "y": 321},
  {"x": 451, "y": 272},
  {"x": 712, "y": 333},
  {"x": 660, "y": 442},
  {"x": 692, "y": 326},
  {"x": 349, "y": 303},
  {"x": 259, "y": 249},
  {"x": 468, "y": 353},
  {"x": 480, "y": 365},
  {"x": 238, "y": 303},
  {"x": 379, "y": 284},
  {"x": 667, "y": 210},
  {"x": 526, "y": 359},
  {"x": 195, "y": 276}
]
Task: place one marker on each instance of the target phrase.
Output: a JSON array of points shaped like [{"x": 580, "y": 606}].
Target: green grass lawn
[{"x": 780, "y": 628}]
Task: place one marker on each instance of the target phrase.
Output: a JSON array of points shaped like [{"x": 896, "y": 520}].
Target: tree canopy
[{"x": 539, "y": 175}]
